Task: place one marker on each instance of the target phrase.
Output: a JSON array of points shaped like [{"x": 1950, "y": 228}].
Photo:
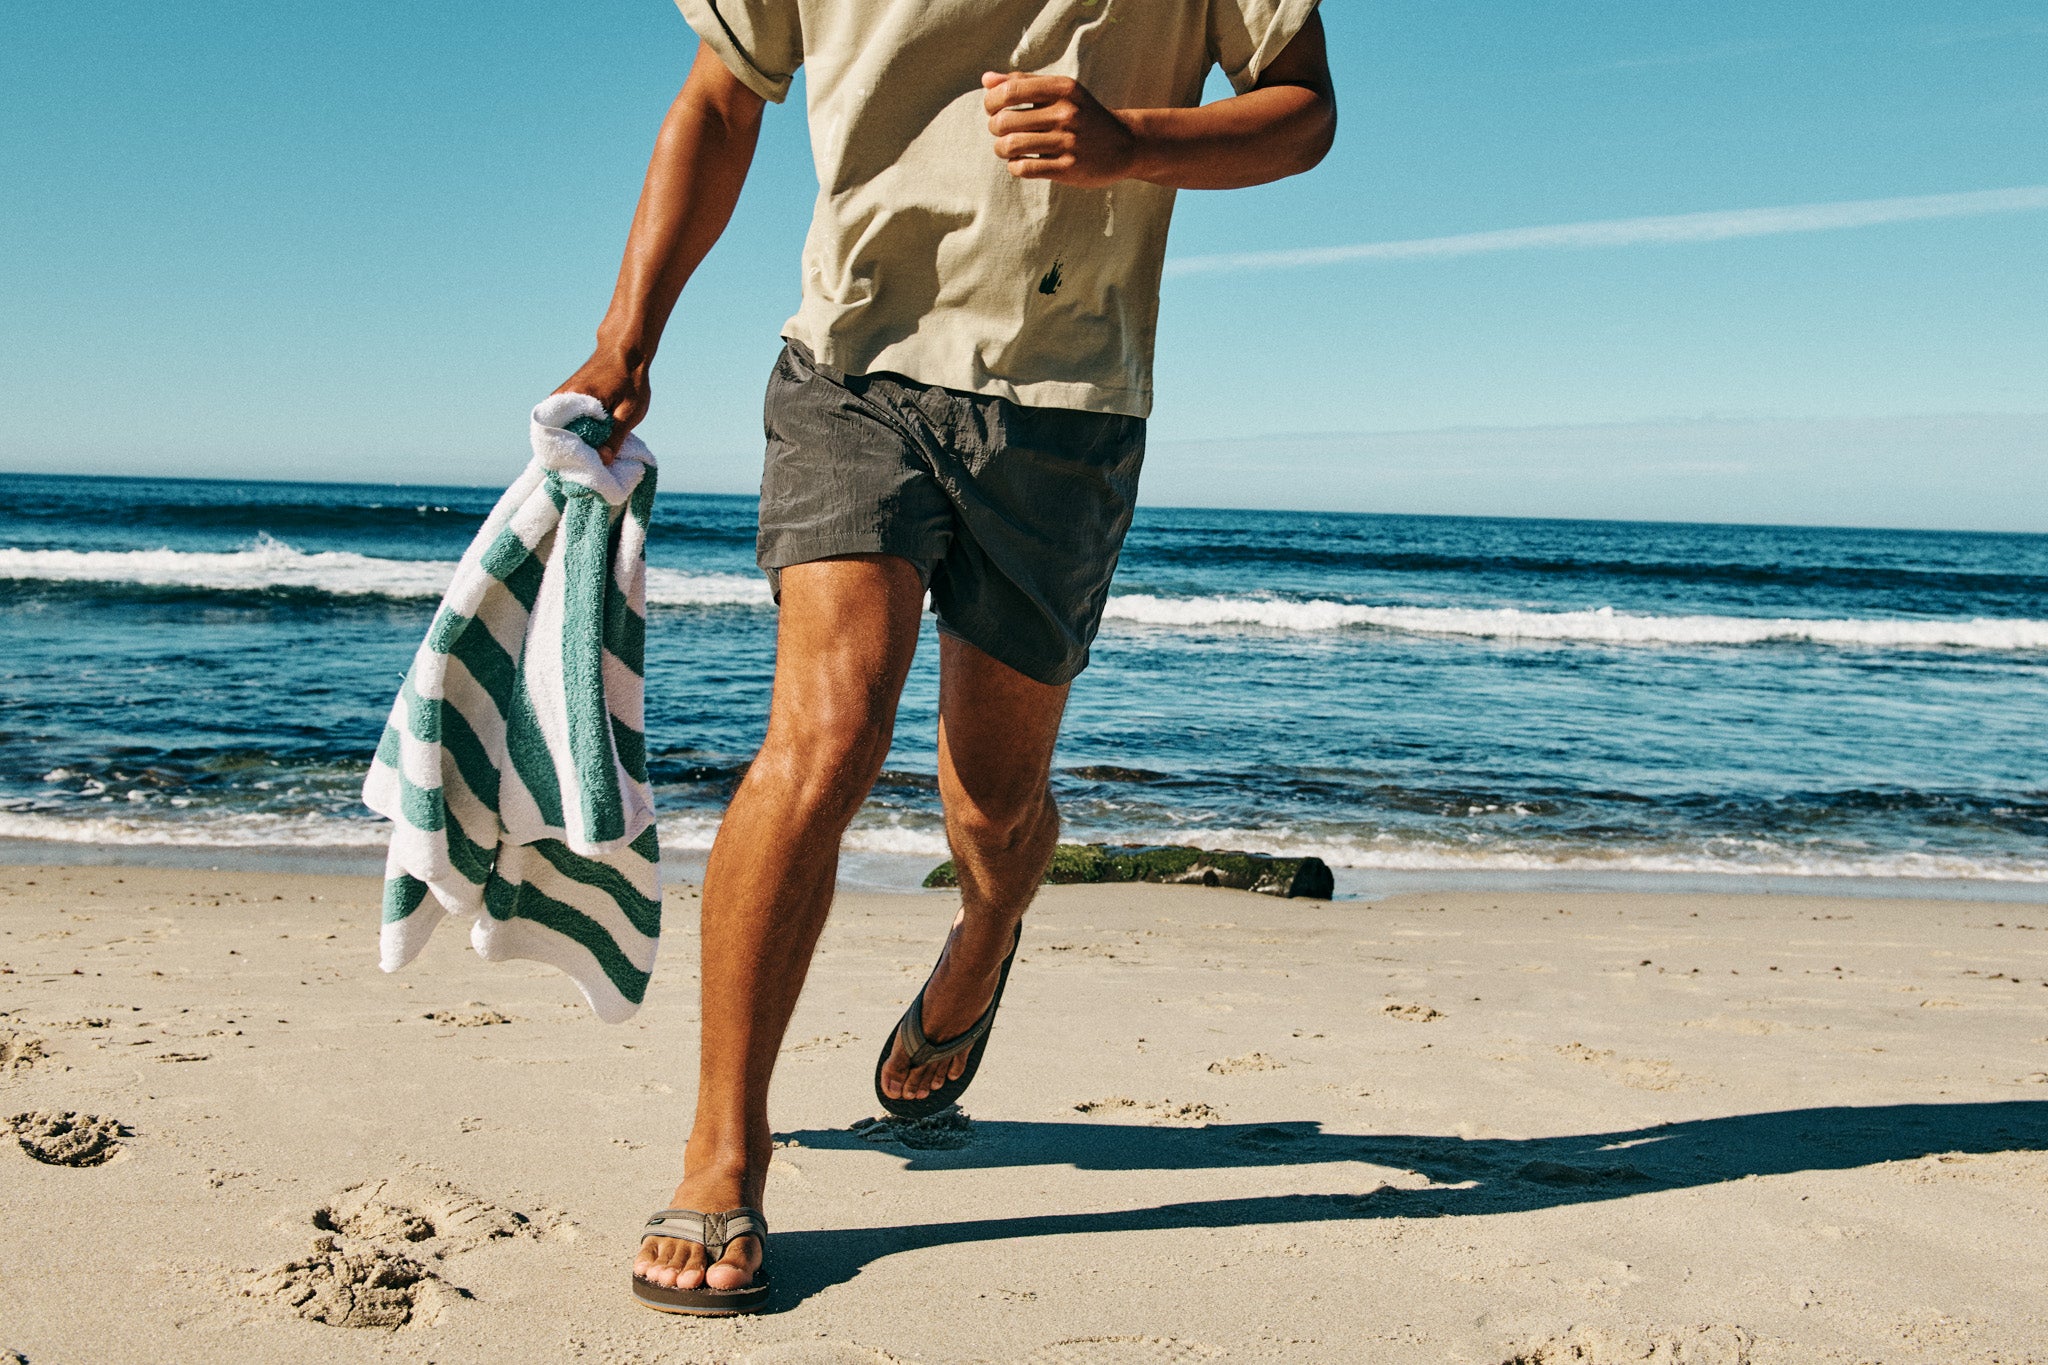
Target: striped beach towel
[{"x": 514, "y": 765}]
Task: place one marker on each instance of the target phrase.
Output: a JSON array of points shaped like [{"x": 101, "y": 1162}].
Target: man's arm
[
  {"x": 1280, "y": 127},
  {"x": 693, "y": 180}
]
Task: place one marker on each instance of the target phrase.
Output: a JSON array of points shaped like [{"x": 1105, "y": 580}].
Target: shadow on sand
[{"x": 1469, "y": 1176}]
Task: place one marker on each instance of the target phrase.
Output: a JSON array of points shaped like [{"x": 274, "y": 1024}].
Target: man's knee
[
  {"x": 997, "y": 823},
  {"x": 828, "y": 756}
]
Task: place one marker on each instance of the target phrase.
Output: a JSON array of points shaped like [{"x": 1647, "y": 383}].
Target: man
[{"x": 959, "y": 409}]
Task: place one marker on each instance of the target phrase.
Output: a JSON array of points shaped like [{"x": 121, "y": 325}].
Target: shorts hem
[
  {"x": 787, "y": 554},
  {"x": 1055, "y": 677}
]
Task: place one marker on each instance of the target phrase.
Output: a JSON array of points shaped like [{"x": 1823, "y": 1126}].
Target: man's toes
[
  {"x": 735, "y": 1269},
  {"x": 656, "y": 1262},
  {"x": 690, "y": 1274}
]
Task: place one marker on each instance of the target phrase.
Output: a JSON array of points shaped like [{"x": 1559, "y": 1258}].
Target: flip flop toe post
[{"x": 714, "y": 1232}]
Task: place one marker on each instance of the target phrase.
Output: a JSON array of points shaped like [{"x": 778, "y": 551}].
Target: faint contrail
[{"x": 1677, "y": 227}]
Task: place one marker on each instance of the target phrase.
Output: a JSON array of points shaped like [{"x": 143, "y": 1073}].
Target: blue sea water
[{"x": 191, "y": 665}]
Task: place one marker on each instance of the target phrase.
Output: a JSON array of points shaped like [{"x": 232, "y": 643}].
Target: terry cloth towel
[{"x": 514, "y": 766}]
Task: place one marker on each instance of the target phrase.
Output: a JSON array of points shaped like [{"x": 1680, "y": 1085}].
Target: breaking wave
[
  {"x": 270, "y": 566},
  {"x": 1603, "y": 625}
]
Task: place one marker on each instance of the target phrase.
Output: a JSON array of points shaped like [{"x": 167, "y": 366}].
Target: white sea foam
[
  {"x": 685, "y": 832},
  {"x": 1603, "y": 625},
  {"x": 272, "y": 564}
]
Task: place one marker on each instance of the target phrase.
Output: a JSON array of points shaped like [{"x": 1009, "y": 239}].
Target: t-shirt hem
[{"x": 1044, "y": 393}]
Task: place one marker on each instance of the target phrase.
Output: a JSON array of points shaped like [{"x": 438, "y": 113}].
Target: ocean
[{"x": 197, "y": 671}]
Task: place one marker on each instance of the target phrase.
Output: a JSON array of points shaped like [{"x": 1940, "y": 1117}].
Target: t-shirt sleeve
[
  {"x": 1246, "y": 35},
  {"x": 762, "y": 41}
]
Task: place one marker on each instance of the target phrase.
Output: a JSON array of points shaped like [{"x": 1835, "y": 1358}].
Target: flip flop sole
[{"x": 701, "y": 1302}]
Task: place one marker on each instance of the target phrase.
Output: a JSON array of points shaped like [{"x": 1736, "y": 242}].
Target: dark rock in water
[{"x": 1178, "y": 865}]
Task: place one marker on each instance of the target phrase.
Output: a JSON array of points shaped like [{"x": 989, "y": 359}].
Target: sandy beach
[{"x": 1212, "y": 1126}]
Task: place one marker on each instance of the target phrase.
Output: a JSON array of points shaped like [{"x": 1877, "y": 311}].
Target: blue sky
[{"x": 359, "y": 241}]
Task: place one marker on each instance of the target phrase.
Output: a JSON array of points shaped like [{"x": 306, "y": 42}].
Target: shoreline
[{"x": 885, "y": 873}]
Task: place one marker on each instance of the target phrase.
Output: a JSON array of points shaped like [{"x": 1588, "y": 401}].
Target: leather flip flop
[
  {"x": 923, "y": 1051},
  {"x": 714, "y": 1232}
]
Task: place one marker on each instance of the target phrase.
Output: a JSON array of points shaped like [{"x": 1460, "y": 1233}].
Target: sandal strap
[
  {"x": 922, "y": 1051},
  {"x": 712, "y": 1231}
]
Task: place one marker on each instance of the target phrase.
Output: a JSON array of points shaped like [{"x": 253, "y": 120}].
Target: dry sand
[{"x": 1212, "y": 1126}]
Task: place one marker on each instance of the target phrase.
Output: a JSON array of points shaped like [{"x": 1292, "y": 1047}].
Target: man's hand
[
  {"x": 1051, "y": 128},
  {"x": 618, "y": 382}
]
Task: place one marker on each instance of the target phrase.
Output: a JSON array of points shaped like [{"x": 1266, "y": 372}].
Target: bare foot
[
  {"x": 674, "y": 1263},
  {"x": 960, "y": 989}
]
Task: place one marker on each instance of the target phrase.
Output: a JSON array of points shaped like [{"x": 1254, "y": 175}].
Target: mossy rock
[{"x": 1177, "y": 865}]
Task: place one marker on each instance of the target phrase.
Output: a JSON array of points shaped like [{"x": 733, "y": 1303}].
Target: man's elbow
[{"x": 1317, "y": 133}]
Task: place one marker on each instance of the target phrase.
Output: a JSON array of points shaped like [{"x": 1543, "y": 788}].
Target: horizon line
[{"x": 1713, "y": 226}]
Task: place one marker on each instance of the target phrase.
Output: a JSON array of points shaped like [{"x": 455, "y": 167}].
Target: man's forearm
[
  {"x": 1263, "y": 135},
  {"x": 694, "y": 179}
]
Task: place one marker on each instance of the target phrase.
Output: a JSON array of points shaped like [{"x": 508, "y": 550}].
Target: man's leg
[
  {"x": 847, "y": 633},
  {"x": 997, "y": 729}
]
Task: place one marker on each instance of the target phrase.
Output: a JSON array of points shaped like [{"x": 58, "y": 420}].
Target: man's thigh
[
  {"x": 997, "y": 728},
  {"x": 844, "y": 642}
]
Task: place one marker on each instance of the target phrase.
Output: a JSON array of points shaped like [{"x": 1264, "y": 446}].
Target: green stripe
[
  {"x": 446, "y": 630},
  {"x": 487, "y": 662},
  {"x": 463, "y": 745},
  {"x": 586, "y": 569},
  {"x": 424, "y": 808},
  {"x": 648, "y": 845},
  {"x": 402, "y": 896},
  {"x": 632, "y": 748},
  {"x": 524, "y": 581},
  {"x": 554, "y": 489},
  {"x": 511, "y": 562},
  {"x": 506, "y": 554},
  {"x": 391, "y": 749},
  {"x": 641, "y": 505},
  {"x": 505, "y": 901},
  {"x": 527, "y": 747},
  {"x": 642, "y": 913},
  {"x": 422, "y": 714},
  {"x": 625, "y": 630},
  {"x": 468, "y": 857}
]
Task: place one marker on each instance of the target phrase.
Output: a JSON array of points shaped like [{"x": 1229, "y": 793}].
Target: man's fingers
[
  {"x": 1023, "y": 88},
  {"x": 1034, "y": 144},
  {"x": 1042, "y": 167},
  {"x": 1058, "y": 114}
]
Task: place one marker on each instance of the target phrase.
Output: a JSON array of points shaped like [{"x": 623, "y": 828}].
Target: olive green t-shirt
[{"x": 926, "y": 258}]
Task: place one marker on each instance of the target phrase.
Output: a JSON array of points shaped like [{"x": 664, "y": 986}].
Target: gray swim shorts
[{"x": 1014, "y": 516}]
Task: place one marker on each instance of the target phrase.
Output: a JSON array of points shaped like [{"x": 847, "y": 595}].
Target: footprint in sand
[
  {"x": 1414, "y": 1014},
  {"x": 1635, "y": 1072},
  {"x": 1251, "y": 1061},
  {"x": 376, "y": 1259},
  {"x": 1714, "y": 1345},
  {"x": 21, "y": 1051},
  {"x": 947, "y": 1130},
  {"x": 64, "y": 1137},
  {"x": 375, "y": 1287},
  {"x": 1166, "y": 1112},
  {"x": 478, "y": 1015}
]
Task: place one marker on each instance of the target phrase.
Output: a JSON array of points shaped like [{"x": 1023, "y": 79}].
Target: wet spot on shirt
[{"x": 1050, "y": 282}]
